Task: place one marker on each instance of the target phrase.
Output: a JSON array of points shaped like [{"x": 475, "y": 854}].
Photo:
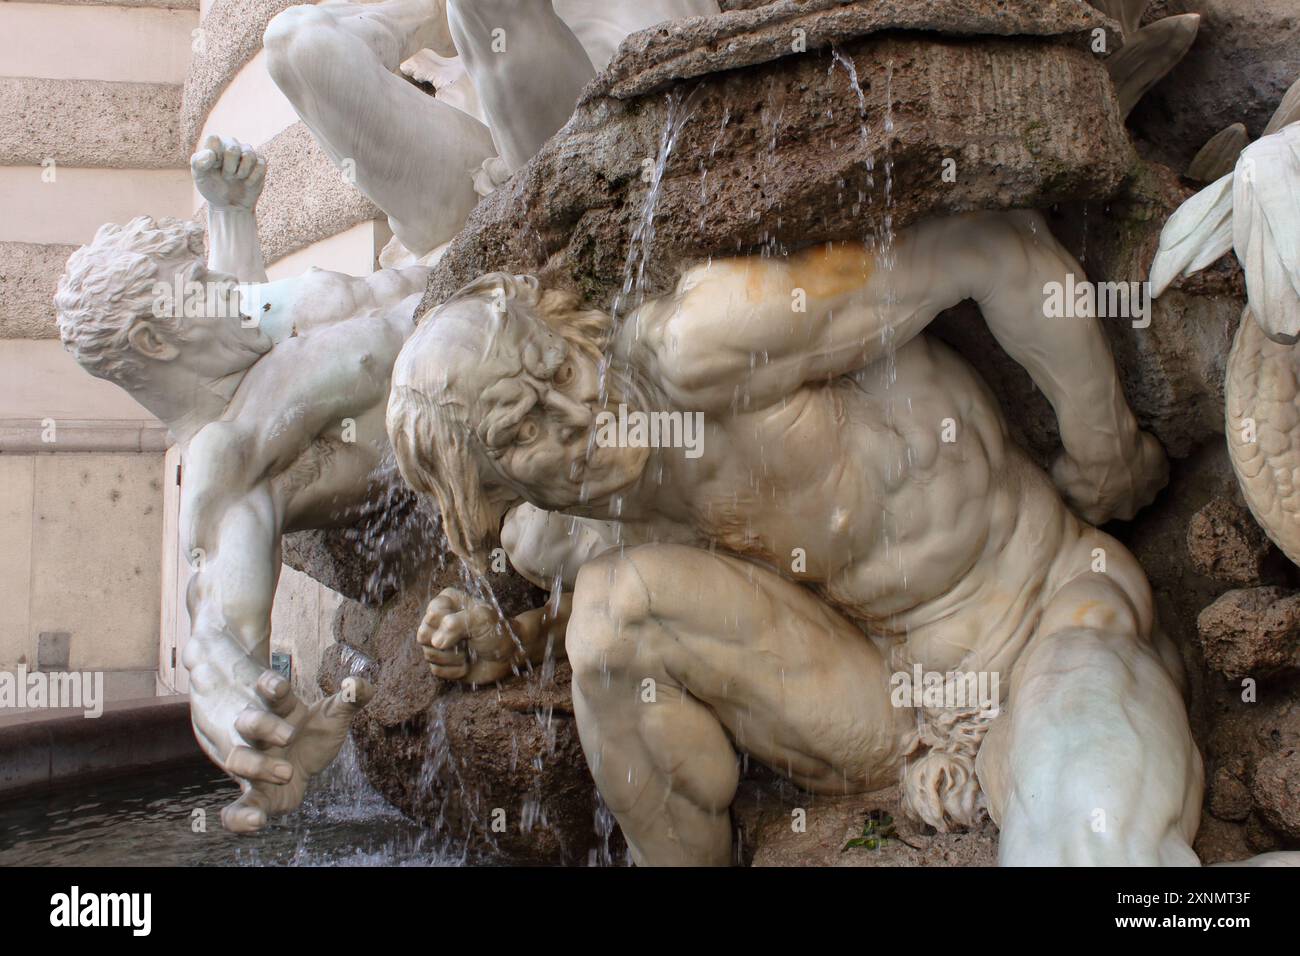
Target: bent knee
[
  {"x": 610, "y": 601},
  {"x": 616, "y": 597},
  {"x": 632, "y": 582},
  {"x": 1084, "y": 663},
  {"x": 290, "y": 26}
]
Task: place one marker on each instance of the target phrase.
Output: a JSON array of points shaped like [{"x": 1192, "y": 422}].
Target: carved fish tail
[{"x": 1262, "y": 392}]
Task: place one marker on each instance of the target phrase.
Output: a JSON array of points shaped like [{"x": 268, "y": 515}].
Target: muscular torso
[
  {"x": 897, "y": 494},
  {"x": 313, "y": 407}
]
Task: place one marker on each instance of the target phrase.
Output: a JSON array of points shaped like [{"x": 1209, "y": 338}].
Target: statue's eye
[
  {"x": 527, "y": 433},
  {"x": 564, "y": 375}
]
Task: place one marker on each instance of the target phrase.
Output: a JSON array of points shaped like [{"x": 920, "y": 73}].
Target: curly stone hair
[{"x": 108, "y": 288}]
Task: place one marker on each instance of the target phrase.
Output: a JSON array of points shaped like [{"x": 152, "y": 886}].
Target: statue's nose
[{"x": 573, "y": 414}]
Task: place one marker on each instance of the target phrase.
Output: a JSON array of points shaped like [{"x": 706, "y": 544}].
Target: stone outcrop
[
  {"x": 662, "y": 164},
  {"x": 653, "y": 59},
  {"x": 460, "y": 760},
  {"x": 1276, "y": 790},
  {"x": 1225, "y": 543},
  {"x": 1252, "y": 754},
  {"x": 1245, "y": 57},
  {"x": 1252, "y": 633},
  {"x": 373, "y": 559}
]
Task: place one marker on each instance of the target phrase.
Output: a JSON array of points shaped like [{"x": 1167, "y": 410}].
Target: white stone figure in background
[
  {"x": 1255, "y": 210},
  {"x": 278, "y": 389},
  {"x": 858, "y": 510},
  {"x": 424, "y": 160}
]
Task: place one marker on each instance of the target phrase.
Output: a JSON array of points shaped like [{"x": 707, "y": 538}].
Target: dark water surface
[{"x": 149, "y": 821}]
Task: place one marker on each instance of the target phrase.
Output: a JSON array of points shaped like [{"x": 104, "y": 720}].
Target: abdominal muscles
[{"x": 896, "y": 494}]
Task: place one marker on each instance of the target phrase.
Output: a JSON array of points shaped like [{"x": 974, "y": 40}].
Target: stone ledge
[
  {"x": 1029, "y": 122},
  {"x": 759, "y": 33},
  {"x": 29, "y": 274},
  {"x": 24, "y": 436},
  {"x": 232, "y": 33},
  {"x": 40, "y": 749},
  {"x": 305, "y": 198},
  {"x": 90, "y": 123}
]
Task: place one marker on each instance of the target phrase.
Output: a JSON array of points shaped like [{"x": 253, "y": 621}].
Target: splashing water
[{"x": 680, "y": 110}]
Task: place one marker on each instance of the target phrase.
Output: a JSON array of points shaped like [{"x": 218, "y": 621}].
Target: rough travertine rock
[
  {"x": 1225, "y": 543},
  {"x": 374, "y": 558},
  {"x": 770, "y": 833},
  {"x": 1229, "y": 798},
  {"x": 305, "y": 198},
  {"x": 232, "y": 35},
  {"x": 652, "y": 59},
  {"x": 1246, "y": 55},
  {"x": 1276, "y": 790},
  {"x": 448, "y": 755},
  {"x": 1252, "y": 632},
  {"x": 1255, "y": 738},
  {"x": 782, "y": 154},
  {"x": 90, "y": 123},
  {"x": 29, "y": 273}
]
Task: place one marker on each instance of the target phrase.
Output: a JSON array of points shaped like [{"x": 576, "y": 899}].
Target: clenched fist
[
  {"x": 1116, "y": 488},
  {"x": 466, "y": 640},
  {"x": 228, "y": 174}
]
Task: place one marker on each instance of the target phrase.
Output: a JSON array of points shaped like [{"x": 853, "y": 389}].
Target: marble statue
[
  {"x": 858, "y": 512},
  {"x": 776, "y": 517},
  {"x": 277, "y": 391},
  {"x": 1255, "y": 211},
  {"x": 425, "y": 160}
]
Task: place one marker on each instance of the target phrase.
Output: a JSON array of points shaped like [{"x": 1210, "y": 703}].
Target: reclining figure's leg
[
  {"x": 527, "y": 66},
  {"x": 413, "y": 156},
  {"x": 682, "y": 657}
]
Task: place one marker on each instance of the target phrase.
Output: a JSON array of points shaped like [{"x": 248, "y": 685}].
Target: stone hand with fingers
[
  {"x": 228, "y": 174},
  {"x": 286, "y": 743},
  {"x": 466, "y": 640}
]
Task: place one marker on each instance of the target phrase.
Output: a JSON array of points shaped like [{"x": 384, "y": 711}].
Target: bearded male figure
[{"x": 824, "y": 437}]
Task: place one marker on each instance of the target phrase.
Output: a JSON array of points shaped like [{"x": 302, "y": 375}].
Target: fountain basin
[{"x": 43, "y": 748}]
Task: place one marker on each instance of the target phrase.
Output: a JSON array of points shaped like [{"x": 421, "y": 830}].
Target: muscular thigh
[
  {"x": 795, "y": 684},
  {"x": 1092, "y": 761}
]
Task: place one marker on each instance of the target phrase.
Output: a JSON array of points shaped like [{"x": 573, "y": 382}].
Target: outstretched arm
[
  {"x": 758, "y": 329},
  {"x": 230, "y": 175},
  {"x": 246, "y": 718}
]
